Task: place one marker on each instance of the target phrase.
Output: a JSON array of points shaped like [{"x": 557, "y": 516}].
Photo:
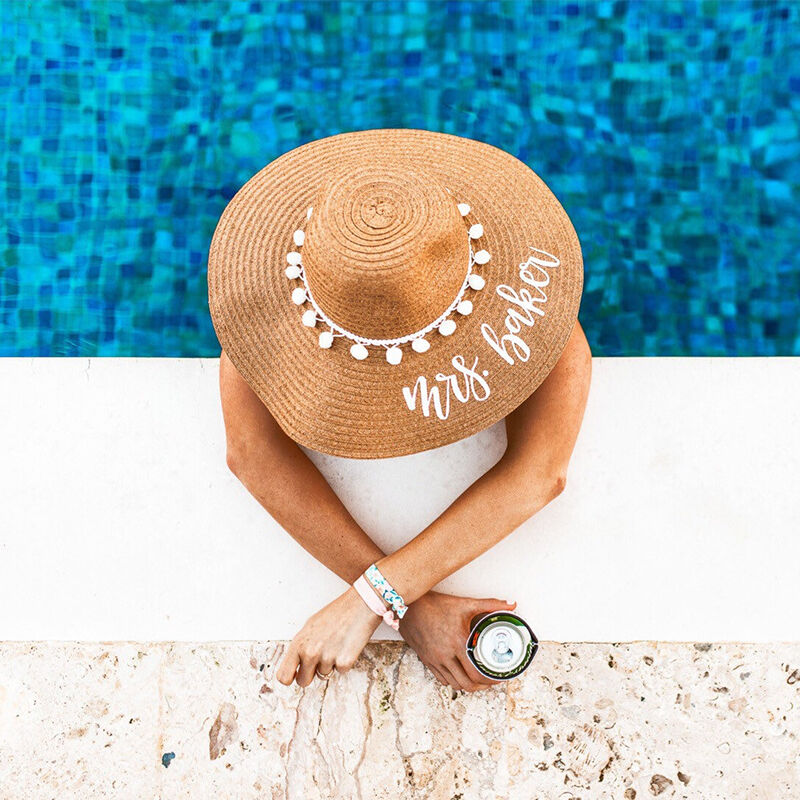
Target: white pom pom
[
  {"x": 420, "y": 345},
  {"x": 325, "y": 339},
  {"x": 476, "y": 231},
  {"x": 447, "y": 327},
  {"x": 476, "y": 281},
  {"x": 464, "y": 307},
  {"x": 310, "y": 318},
  {"x": 394, "y": 355},
  {"x": 308, "y": 213},
  {"x": 359, "y": 351},
  {"x": 294, "y": 257},
  {"x": 299, "y": 238},
  {"x": 482, "y": 257},
  {"x": 298, "y": 296},
  {"x": 463, "y": 209},
  {"x": 293, "y": 271}
]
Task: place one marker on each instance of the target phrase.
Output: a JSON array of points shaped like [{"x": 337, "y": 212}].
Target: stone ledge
[{"x": 586, "y": 720}]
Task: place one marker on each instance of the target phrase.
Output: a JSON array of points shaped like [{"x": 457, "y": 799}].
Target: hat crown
[{"x": 386, "y": 249}]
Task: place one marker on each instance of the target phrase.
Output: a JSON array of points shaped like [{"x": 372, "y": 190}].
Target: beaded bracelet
[{"x": 374, "y": 576}]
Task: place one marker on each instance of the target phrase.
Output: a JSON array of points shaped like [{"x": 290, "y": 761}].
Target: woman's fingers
[
  {"x": 324, "y": 667},
  {"x": 308, "y": 666},
  {"x": 288, "y": 667},
  {"x": 438, "y": 675},
  {"x": 297, "y": 656},
  {"x": 449, "y": 678},
  {"x": 465, "y": 682},
  {"x": 488, "y": 604},
  {"x": 473, "y": 674}
]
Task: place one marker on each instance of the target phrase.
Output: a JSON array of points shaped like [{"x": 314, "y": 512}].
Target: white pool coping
[{"x": 120, "y": 520}]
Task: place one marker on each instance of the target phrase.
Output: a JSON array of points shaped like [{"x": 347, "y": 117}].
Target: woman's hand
[
  {"x": 332, "y": 638},
  {"x": 437, "y": 625}
]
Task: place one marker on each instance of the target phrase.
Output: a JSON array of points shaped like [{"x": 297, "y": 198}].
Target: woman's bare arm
[
  {"x": 541, "y": 437},
  {"x": 286, "y": 483}
]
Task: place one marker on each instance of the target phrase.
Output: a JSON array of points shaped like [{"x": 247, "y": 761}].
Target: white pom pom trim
[
  {"x": 394, "y": 354},
  {"x": 447, "y": 327},
  {"x": 420, "y": 345},
  {"x": 359, "y": 352}
]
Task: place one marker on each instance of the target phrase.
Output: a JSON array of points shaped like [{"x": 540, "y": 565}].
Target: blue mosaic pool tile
[{"x": 670, "y": 131}]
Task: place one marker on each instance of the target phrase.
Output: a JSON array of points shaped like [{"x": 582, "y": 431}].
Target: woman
[{"x": 358, "y": 330}]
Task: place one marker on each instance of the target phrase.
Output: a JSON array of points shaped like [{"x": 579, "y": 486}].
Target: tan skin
[{"x": 541, "y": 436}]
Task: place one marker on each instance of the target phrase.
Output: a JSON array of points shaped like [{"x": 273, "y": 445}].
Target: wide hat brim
[{"x": 328, "y": 401}]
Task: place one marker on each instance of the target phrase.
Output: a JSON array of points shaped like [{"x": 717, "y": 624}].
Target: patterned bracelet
[{"x": 374, "y": 576}]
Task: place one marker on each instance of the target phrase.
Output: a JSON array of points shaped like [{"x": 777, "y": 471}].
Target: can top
[{"x": 501, "y": 646}]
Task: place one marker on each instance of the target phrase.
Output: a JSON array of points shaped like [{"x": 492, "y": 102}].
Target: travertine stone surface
[{"x": 588, "y": 720}]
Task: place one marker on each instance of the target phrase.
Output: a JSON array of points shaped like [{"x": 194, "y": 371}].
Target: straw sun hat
[{"x": 389, "y": 291}]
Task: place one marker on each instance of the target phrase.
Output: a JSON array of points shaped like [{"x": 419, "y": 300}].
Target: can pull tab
[{"x": 502, "y": 651}]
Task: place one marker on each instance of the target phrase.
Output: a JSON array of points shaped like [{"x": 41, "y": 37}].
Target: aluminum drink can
[{"x": 501, "y": 644}]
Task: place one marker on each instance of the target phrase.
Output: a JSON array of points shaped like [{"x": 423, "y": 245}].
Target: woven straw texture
[{"x": 385, "y": 253}]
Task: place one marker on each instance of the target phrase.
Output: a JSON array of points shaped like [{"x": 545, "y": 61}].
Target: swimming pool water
[{"x": 670, "y": 132}]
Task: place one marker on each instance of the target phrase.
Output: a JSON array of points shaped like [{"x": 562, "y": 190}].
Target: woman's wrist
[
  {"x": 390, "y": 594},
  {"x": 380, "y": 596},
  {"x": 391, "y": 566},
  {"x": 365, "y": 611}
]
